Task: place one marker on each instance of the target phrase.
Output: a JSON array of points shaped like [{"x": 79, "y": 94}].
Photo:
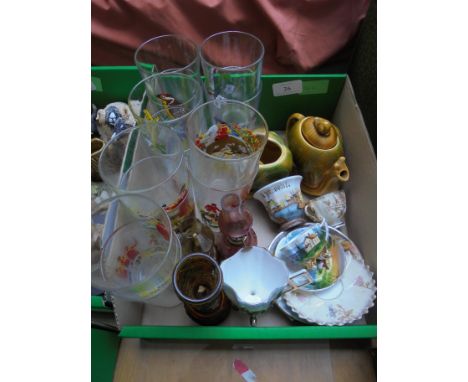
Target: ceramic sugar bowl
[
  {"x": 253, "y": 278},
  {"x": 283, "y": 201},
  {"x": 276, "y": 161},
  {"x": 317, "y": 147}
]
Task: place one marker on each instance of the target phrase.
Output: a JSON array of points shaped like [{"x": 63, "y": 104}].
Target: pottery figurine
[
  {"x": 276, "y": 161},
  {"x": 283, "y": 201},
  {"x": 113, "y": 119},
  {"x": 317, "y": 148}
]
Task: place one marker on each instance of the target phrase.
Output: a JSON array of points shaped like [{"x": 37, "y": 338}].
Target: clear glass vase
[
  {"x": 232, "y": 63},
  {"x": 168, "y": 53},
  {"x": 175, "y": 94},
  {"x": 149, "y": 160},
  {"x": 226, "y": 140},
  {"x": 133, "y": 249}
]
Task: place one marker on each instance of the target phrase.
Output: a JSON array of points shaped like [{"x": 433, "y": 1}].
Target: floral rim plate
[{"x": 344, "y": 302}]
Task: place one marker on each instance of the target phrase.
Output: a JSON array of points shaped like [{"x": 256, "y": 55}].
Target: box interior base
[{"x": 361, "y": 196}]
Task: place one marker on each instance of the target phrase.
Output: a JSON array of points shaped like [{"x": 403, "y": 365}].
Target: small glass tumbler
[
  {"x": 232, "y": 63},
  {"x": 198, "y": 282},
  {"x": 149, "y": 160},
  {"x": 224, "y": 152},
  {"x": 174, "y": 93},
  {"x": 133, "y": 248},
  {"x": 168, "y": 53}
]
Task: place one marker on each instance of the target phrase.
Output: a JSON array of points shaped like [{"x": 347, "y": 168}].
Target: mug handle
[
  {"x": 293, "y": 118},
  {"x": 292, "y": 284},
  {"x": 311, "y": 213}
]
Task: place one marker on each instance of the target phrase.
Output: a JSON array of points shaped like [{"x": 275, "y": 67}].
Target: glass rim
[
  {"x": 205, "y": 41},
  {"x": 274, "y": 183},
  {"x": 216, "y": 266},
  {"x": 167, "y": 36},
  {"x": 226, "y": 100},
  {"x": 195, "y": 84},
  {"x": 171, "y": 237},
  {"x": 140, "y": 128}
]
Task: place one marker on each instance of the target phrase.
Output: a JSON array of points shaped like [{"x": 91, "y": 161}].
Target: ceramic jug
[{"x": 317, "y": 147}]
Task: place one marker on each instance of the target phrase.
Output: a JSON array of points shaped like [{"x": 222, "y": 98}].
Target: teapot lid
[{"x": 320, "y": 133}]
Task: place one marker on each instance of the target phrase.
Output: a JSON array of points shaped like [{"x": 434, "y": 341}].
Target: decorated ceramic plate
[{"x": 344, "y": 302}]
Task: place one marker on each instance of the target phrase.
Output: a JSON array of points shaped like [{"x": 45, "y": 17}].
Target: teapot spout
[
  {"x": 341, "y": 170},
  {"x": 337, "y": 173}
]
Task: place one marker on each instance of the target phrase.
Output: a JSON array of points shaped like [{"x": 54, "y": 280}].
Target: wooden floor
[{"x": 318, "y": 361}]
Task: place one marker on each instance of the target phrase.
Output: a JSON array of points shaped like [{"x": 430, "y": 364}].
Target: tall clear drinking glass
[
  {"x": 174, "y": 93},
  {"x": 174, "y": 118},
  {"x": 226, "y": 141},
  {"x": 149, "y": 160},
  {"x": 133, "y": 249},
  {"x": 168, "y": 53},
  {"x": 232, "y": 63}
]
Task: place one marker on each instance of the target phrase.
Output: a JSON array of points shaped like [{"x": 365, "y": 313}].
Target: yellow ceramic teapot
[{"x": 317, "y": 147}]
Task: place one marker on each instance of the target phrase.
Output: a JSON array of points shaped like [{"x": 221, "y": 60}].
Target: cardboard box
[{"x": 328, "y": 96}]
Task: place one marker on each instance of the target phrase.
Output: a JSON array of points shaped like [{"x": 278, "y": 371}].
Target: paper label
[{"x": 287, "y": 88}]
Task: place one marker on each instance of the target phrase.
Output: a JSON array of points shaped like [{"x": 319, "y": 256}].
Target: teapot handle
[{"x": 293, "y": 118}]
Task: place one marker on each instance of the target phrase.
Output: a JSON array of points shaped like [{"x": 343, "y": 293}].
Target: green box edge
[
  {"x": 291, "y": 75},
  {"x": 249, "y": 333},
  {"x": 97, "y": 304}
]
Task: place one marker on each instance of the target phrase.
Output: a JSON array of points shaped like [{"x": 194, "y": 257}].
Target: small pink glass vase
[{"x": 235, "y": 224}]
